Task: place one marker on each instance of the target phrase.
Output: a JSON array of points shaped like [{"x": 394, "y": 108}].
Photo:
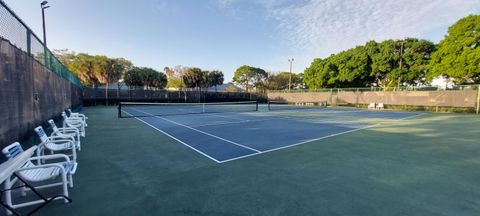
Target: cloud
[
  {"x": 323, "y": 27},
  {"x": 329, "y": 26}
]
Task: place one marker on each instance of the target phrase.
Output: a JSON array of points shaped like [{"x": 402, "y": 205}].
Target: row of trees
[
  {"x": 395, "y": 63},
  {"x": 252, "y": 78},
  {"x": 193, "y": 78},
  {"x": 145, "y": 77},
  {"x": 98, "y": 69},
  {"x": 387, "y": 64},
  {"x": 94, "y": 69}
]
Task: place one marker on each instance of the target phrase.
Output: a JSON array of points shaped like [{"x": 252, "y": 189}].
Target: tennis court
[
  {"x": 228, "y": 131},
  {"x": 406, "y": 163}
]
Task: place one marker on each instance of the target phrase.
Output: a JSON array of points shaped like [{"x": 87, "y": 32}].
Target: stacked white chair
[
  {"x": 66, "y": 131},
  {"x": 73, "y": 122},
  {"x": 371, "y": 106},
  {"x": 56, "y": 143},
  {"x": 380, "y": 106},
  {"x": 78, "y": 115},
  {"x": 42, "y": 174},
  {"x": 39, "y": 173}
]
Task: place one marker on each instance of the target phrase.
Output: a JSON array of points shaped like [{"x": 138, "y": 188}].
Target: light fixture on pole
[
  {"x": 290, "y": 77},
  {"x": 44, "y": 6}
]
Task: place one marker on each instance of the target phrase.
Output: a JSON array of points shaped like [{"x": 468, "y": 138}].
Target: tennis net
[
  {"x": 282, "y": 105},
  {"x": 137, "y": 109}
]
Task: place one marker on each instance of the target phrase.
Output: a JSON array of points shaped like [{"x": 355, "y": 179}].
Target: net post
[
  {"x": 119, "y": 109},
  {"x": 256, "y": 105}
]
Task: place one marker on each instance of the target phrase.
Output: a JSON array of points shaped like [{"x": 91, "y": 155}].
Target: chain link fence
[
  {"x": 13, "y": 29},
  {"x": 96, "y": 96},
  {"x": 34, "y": 85},
  {"x": 465, "y": 97}
]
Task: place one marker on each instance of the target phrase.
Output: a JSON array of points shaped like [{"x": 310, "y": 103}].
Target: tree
[
  {"x": 248, "y": 76},
  {"x": 458, "y": 54},
  {"x": 122, "y": 65},
  {"x": 322, "y": 73},
  {"x": 415, "y": 61},
  {"x": 281, "y": 80},
  {"x": 174, "y": 76},
  {"x": 314, "y": 76},
  {"x": 215, "y": 78},
  {"x": 133, "y": 77},
  {"x": 152, "y": 79},
  {"x": 83, "y": 66},
  {"x": 193, "y": 78},
  {"x": 144, "y": 76},
  {"x": 390, "y": 63},
  {"x": 93, "y": 70},
  {"x": 354, "y": 66},
  {"x": 159, "y": 80},
  {"x": 106, "y": 72}
]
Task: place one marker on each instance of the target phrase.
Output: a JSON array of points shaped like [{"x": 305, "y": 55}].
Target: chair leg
[
  {"x": 70, "y": 177},
  {"x": 65, "y": 188},
  {"x": 8, "y": 194}
]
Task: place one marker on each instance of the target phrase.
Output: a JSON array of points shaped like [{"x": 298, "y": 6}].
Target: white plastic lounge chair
[
  {"x": 55, "y": 143},
  {"x": 380, "y": 106},
  {"x": 371, "y": 106},
  {"x": 74, "y": 132},
  {"x": 78, "y": 115},
  {"x": 38, "y": 173},
  {"x": 74, "y": 123}
]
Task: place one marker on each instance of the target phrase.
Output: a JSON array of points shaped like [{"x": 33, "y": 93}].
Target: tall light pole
[
  {"x": 44, "y": 6},
  {"x": 290, "y": 77}
]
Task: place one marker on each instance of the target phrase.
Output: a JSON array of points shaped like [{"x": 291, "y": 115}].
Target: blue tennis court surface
[{"x": 225, "y": 137}]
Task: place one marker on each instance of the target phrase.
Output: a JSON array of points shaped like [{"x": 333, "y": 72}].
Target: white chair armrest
[
  {"x": 42, "y": 166},
  {"x": 77, "y": 118},
  {"x": 50, "y": 157},
  {"x": 74, "y": 121},
  {"x": 78, "y": 115},
  {"x": 62, "y": 137},
  {"x": 65, "y": 129}
]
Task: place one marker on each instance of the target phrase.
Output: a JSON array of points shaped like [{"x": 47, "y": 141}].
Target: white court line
[
  {"x": 316, "y": 139},
  {"x": 300, "y": 143},
  {"x": 409, "y": 117},
  {"x": 203, "y": 132},
  {"x": 227, "y": 117},
  {"x": 185, "y": 144},
  {"x": 270, "y": 150},
  {"x": 240, "y": 122},
  {"x": 222, "y": 123}
]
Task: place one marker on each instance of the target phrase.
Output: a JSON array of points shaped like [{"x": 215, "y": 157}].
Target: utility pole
[
  {"x": 290, "y": 77},
  {"x": 401, "y": 64}
]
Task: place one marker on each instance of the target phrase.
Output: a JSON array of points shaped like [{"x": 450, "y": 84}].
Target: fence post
[
  {"x": 356, "y": 97},
  {"x": 29, "y": 45},
  {"x": 478, "y": 99}
]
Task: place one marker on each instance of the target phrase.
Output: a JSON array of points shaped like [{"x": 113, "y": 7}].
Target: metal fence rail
[
  {"x": 13, "y": 29},
  {"x": 380, "y": 89},
  {"x": 93, "y": 96}
]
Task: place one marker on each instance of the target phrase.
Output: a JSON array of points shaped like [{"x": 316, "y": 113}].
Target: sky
[{"x": 225, "y": 34}]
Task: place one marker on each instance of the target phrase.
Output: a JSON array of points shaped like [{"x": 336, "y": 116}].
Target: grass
[{"x": 422, "y": 166}]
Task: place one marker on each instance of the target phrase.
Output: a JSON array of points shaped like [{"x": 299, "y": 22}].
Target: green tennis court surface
[{"x": 404, "y": 165}]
